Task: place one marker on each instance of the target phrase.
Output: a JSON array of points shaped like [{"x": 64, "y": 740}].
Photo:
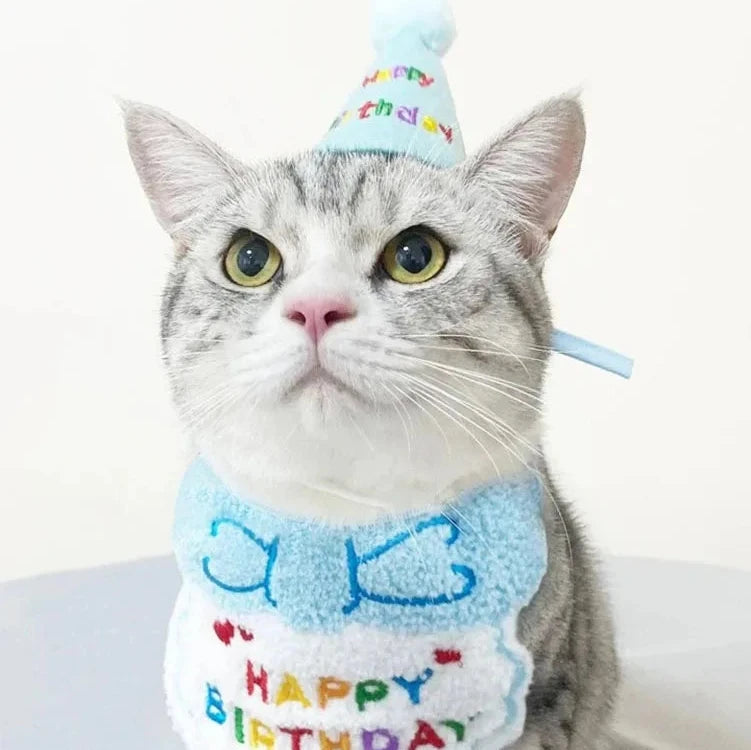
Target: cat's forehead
[
  {"x": 352, "y": 188},
  {"x": 322, "y": 203}
]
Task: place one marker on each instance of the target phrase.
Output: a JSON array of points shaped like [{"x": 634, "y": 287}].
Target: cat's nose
[{"x": 317, "y": 315}]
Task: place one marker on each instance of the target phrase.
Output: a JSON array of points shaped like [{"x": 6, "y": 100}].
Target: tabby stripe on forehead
[
  {"x": 389, "y": 203},
  {"x": 330, "y": 190},
  {"x": 354, "y": 198},
  {"x": 297, "y": 181}
]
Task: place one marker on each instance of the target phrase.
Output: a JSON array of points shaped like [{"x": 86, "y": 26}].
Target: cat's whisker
[
  {"x": 507, "y": 448},
  {"x": 535, "y": 471},
  {"x": 215, "y": 399},
  {"x": 208, "y": 364},
  {"x": 437, "y": 404},
  {"x": 472, "y": 409},
  {"x": 488, "y": 415},
  {"x": 462, "y": 517},
  {"x": 362, "y": 432},
  {"x": 448, "y": 332},
  {"x": 496, "y": 389},
  {"x": 197, "y": 416},
  {"x": 544, "y": 484},
  {"x": 561, "y": 517},
  {"x": 430, "y": 416},
  {"x": 406, "y": 411},
  {"x": 528, "y": 399},
  {"x": 220, "y": 398},
  {"x": 418, "y": 549},
  {"x": 491, "y": 352},
  {"x": 209, "y": 395},
  {"x": 395, "y": 404},
  {"x": 452, "y": 333},
  {"x": 478, "y": 377},
  {"x": 485, "y": 380}
]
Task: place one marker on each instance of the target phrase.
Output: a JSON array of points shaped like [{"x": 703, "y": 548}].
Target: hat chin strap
[{"x": 591, "y": 353}]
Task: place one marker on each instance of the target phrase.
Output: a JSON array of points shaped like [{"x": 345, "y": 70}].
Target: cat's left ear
[
  {"x": 183, "y": 173},
  {"x": 532, "y": 168}
]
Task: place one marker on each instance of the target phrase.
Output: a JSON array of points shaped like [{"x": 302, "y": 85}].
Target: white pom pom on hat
[{"x": 431, "y": 20}]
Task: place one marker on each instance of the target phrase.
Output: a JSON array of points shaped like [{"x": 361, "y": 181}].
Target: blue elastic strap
[{"x": 591, "y": 353}]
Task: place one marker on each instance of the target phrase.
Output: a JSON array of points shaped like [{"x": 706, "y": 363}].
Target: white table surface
[{"x": 81, "y": 656}]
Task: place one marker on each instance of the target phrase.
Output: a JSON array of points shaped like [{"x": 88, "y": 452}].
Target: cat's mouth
[{"x": 319, "y": 381}]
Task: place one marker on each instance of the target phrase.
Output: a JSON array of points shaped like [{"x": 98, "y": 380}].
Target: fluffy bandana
[{"x": 384, "y": 636}]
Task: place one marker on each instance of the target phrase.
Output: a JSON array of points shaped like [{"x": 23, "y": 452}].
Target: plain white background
[{"x": 651, "y": 258}]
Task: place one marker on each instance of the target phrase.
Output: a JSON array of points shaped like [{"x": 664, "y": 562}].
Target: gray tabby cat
[{"x": 335, "y": 391}]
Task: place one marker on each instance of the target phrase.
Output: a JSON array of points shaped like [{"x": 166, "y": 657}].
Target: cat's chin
[
  {"x": 321, "y": 388},
  {"x": 321, "y": 401}
]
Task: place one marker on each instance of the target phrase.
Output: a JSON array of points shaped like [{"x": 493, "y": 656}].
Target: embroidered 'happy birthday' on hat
[{"x": 403, "y": 104}]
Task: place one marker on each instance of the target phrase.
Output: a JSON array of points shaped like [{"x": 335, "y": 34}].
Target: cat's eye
[
  {"x": 251, "y": 260},
  {"x": 413, "y": 256}
]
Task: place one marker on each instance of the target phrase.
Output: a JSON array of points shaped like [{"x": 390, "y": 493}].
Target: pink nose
[{"x": 316, "y": 316}]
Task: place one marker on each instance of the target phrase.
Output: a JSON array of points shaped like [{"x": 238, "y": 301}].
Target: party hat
[{"x": 403, "y": 104}]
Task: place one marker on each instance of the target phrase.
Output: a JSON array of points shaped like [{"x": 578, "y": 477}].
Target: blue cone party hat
[{"x": 403, "y": 105}]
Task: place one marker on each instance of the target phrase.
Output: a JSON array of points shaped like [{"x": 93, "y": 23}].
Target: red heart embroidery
[
  {"x": 246, "y": 635},
  {"x": 447, "y": 655},
  {"x": 225, "y": 631}
]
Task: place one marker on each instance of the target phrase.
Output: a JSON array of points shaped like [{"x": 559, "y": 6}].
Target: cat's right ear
[
  {"x": 531, "y": 170},
  {"x": 183, "y": 173}
]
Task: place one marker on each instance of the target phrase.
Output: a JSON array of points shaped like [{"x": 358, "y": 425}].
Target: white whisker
[
  {"x": 406, "y": 395},
  {"x": 437, "y": 405},
  {"x": 482, "y": 429},
  {"x": 397, "y": 404}
]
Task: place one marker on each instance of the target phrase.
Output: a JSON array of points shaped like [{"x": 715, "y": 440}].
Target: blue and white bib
[{"x": 298, "y": 635}]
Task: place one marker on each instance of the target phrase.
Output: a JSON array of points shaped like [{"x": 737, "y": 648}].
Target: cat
[{"x": 335, "y": 392}]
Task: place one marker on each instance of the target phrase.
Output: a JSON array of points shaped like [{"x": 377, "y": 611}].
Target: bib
[{"x": 299, "y": 635}]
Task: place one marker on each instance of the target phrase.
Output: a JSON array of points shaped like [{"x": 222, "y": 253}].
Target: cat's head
[{"x": 366, "y": 325}]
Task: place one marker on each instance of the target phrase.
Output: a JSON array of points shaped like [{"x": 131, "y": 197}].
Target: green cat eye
[
  {"x": 413, "y": 256},
  {"x": 251, "y": 260}
]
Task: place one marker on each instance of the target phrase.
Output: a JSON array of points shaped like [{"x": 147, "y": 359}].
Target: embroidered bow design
[
  {"x": 359, "y": 566},
  {"x": 268, "y": 548},
  {"x": 357, "y": 563}
]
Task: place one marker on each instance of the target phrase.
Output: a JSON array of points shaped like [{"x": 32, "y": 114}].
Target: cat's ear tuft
[
  {"x": 532, "y": 168},
  {"x": 183, "y": 173}
]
